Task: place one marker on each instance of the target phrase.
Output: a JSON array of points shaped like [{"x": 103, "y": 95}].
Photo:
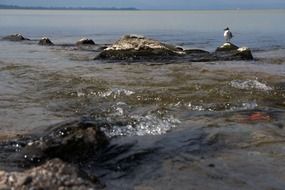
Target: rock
[
  {"x": 244, "y": 53},
  {"x": 15, "y": 37},
  {"x": 54, "y": 174},
  {"x": 45, "y": 42},
  {"x": 135, "y": 47},
  {"x": 85, "y": 41},
  {"x": 69, "y": 141},
  {"x": 229, "y": 51},
  {"x": 195, "y": 51},
  {"x": 227, "y": 47}
]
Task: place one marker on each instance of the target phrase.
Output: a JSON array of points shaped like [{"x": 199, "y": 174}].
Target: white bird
[{"x": 228, "y": 35}]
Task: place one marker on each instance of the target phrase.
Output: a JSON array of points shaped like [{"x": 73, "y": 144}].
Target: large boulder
[
  {"x": 229, "y": 51},
  {"x": 85, "y": 41},
  {"x": 54, "y": 174},
  {"x": 15, "y": 37},
  {"x": 135, "y": 47},
  {"x": 45, "y": 42}
]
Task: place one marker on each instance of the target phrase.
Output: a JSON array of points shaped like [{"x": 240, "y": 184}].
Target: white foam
[
  {"x": 250, "y": 84},
  {"x": 244, "y": 106},
  {"x": 144, "y": 125},
  {"x": 115, "y": 92}
]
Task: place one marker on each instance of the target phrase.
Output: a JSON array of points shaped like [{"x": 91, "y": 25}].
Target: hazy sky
[{"x": 153, "y": 4}]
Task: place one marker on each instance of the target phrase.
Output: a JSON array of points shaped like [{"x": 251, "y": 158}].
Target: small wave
[
  {"x": 244, "y": 106},
  {"x": 144, "y": 125},
  {"x": 250, "y": 84},
  {"x": 113, "y": 92}
]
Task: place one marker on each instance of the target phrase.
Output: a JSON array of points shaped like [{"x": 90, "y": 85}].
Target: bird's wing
[{"x": 231, "y": 35}]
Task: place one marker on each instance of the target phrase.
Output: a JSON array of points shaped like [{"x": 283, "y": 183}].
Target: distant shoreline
[
  {"x": 14, "y": 7},
  {"x": 69, "y": 8}
]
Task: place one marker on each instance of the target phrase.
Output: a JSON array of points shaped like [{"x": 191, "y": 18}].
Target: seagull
[{"x": 228, "y": 35}]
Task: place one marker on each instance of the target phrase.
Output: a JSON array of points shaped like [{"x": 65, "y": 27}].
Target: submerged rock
[
  {"x": 135, "y": 47},
  {"x": 85, "y": 41},
  {"x": 68, "y": 141},
  {"x": 15, "y": 37},
  {"x": 229, "y": 51},
  {"x": 45, "y": 42},
  {"x": 54, "y": 174}
]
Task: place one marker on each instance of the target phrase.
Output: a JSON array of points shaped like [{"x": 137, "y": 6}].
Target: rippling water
[{"x": 238, "y": 104}]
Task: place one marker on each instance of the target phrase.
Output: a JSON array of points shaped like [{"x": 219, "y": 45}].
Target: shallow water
[{"x": 219, "y": 122}]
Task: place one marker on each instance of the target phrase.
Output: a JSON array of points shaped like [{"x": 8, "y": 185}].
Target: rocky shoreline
[
  {"x": 133, "y": 48},
  {"x": 221, "y": 152}
]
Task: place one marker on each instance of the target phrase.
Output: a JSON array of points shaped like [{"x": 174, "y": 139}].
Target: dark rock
[
  {"x": 211, "y": 165},
  {"x": 134, "y": 47},
  {"x": 45, "y": 42},
  {"x": 15, "y": 37},
  {"x": 229, "y": 51},
  {"x": 195, "y": 51},
  {"x": 137, "y": 48},
  {"x": 70, "y": 141},
  {"x": 54, "y": 174},
  {"x": 244, "y": 53},
  {"x": 85, "y": 41},
  {"x": 179, "y": 49}
]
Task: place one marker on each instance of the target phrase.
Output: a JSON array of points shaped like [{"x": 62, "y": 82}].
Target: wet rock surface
[
  {"x": 45, "y": 42},
  {"x": 229, "y": 51},
  {"x": 85, "y": 41},
  {"x": 227, "y": 47},
  {"x": 54, "y": 174},
  {"x": 134, "y": 47},
  {"x": 69, "y": 141},
  {"x": 15, "y": 37}
]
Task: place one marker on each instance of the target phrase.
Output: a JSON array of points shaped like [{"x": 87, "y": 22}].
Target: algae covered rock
[
  {"x": 244, "y": 53},
  {"x": 15, "y": 37},
  {"x": 45, "y": 42},
  {"x": 229, "y": 51},
  {"x": 135, "y": 47}
]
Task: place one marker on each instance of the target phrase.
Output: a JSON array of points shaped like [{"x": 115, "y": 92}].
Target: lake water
[{"x": 187, "y": 117}]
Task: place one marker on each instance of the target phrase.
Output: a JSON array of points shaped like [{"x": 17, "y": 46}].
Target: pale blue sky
[{"x": 154, "y": 4}]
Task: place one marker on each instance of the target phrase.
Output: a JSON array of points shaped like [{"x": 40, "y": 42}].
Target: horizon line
[{"x": 16, "y": 7}]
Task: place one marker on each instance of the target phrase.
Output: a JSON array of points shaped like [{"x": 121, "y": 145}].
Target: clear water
[{"x": 241, "y": 103}]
